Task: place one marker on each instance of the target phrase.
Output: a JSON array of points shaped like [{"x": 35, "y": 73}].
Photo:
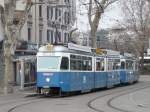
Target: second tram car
[
  {"x": 76, "y": 68},
  {"x": 128, "y": 69}
]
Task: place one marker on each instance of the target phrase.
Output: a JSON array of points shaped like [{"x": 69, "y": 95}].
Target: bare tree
[
  {"x": 137, "y": 19},
  {"x": 12, "y": 24},
  {"x": 95, "y": 11}
]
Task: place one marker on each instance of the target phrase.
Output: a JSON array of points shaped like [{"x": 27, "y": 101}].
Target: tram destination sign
[{"x": 78, "y": 47}]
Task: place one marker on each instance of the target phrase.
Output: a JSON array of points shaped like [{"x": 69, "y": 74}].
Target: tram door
[
  {"x": 100, "y": 75},
  {"x": 87, "y": 75},
  {"x": 123, "y": 72}
]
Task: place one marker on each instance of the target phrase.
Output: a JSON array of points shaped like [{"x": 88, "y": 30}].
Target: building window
[
  {"x": 51, "y": 12},
  {"x": 66, "y": 1},
  {"x": 56, "y": 14},
  {"x": 59, "y": 15},
  {"x": 40, "y": 10},
  {"x": 29, "y": 34},
  {"x": 40, "y": 36},
  {"x": 52, "y": 37},
  {"x": 48, "y": 35},
  {"x": 66, "y": 37},
  {"x": 48, "y": 12},
  {"x": 66, "y": 18},
  {"x": 59, "y": 36}
]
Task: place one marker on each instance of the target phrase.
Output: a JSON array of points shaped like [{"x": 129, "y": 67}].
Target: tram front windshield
[{"x": 48, "y": 62}]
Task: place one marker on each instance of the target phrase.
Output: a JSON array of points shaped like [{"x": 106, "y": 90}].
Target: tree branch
[
  {"x": 25, "y": 15},
  {"x": 99, "y": 6},
  {"x": 2, "y": 16},
  {"x": 109, "y": 3},
  {"x": 90, "y": 13}
]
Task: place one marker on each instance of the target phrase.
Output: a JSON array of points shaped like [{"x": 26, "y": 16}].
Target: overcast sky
[
  {"x": 2, "y": 2},
  {"x": 109, "y": 18}
]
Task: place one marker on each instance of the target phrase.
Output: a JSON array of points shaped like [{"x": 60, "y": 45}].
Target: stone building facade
[{"x": 49, "y": 21}]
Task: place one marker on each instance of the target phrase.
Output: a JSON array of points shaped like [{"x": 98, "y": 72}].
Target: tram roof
[
  {"x": 78, "y": 49},
  {"x": 70, "y": 48}
]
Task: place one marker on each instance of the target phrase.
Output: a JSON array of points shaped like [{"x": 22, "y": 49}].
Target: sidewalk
[
  {"x": 17, "y": 98},
  {"x": 18, "y": 93}
]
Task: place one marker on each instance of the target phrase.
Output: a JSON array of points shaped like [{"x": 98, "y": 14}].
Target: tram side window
[
  {"x": 136, "y": 66},
  {"x": 116, "y": 64},
  {"x": 110, "y": 64},
  {"x": 80, "y": 63},
  {"x": 64, "y": 63},
  {"x": 90, "y": 64},
  {"x": 129, "y": 65},
  {"x": 100, "y": 65},
  {"x": 75, "y": 62},
  {"x": 86, "y": 63},
  {"x": 122, "y": 65}
]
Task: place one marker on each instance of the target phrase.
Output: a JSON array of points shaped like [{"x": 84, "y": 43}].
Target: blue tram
[
  {"x": 78, "y": 68},
  {"x": 128, "y": 69}
]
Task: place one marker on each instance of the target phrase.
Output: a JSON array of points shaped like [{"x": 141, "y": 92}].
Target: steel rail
[{"x": 122, "y": 92}]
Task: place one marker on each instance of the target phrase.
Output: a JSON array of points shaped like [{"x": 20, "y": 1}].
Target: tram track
[
  {"x": 120, "y": 93},
  {"x": 16, "y": 101},
  {"x": 23, "y": 104},
  {"x": 29, "y": 101},
  {"x": 109, "y": 102},
  {"x": 127, "y": 89}
]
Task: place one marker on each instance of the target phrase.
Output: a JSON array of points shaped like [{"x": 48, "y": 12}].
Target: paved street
[{"x": 132, "y": 98}]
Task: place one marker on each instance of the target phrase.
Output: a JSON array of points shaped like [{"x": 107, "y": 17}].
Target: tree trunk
[
  {"x": 142, "y": 64},
  {"x": 1, "y": 71},
  {"x": 93, "y": 39},
  {"x": 142, "y": 59},
  {"x": 116, "y": 46},
  {"x": 8, "y": 63}
]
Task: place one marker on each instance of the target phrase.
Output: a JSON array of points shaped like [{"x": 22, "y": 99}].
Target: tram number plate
[
  {"x": 48, "y": 74},
  {"x": 46, "y": 87}
]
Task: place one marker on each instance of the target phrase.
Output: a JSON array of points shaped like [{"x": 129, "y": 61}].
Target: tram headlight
[
  {"x": 130, "y": 72},
  {"x": 47, "y": 79}
]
